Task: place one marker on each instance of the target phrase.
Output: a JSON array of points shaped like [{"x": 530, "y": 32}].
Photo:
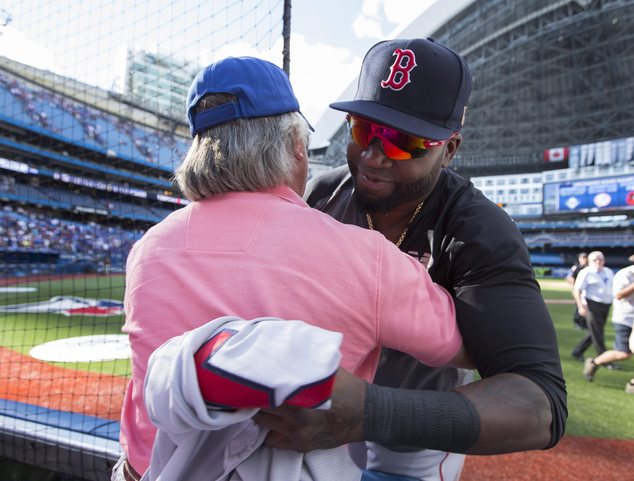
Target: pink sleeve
[{"x": 414, "y": 315}]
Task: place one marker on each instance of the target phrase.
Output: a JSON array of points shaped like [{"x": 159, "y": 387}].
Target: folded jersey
[{"x": 267, "y": 362}]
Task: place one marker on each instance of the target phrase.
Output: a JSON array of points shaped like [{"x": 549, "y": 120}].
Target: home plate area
[{"x": 104, "y": 347}]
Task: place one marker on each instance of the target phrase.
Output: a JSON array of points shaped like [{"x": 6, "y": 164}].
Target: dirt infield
[
  {"x": 573, "y": 459},
  {"x": 25, "y": 379},
  {"x": 554, "y": 284},
  {"x": 28, "y": 380}
]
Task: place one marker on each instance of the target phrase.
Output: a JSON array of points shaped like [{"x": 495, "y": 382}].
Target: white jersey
[
  {"x": 623, "y": 309},
  {"x": 196, "y": 443}
]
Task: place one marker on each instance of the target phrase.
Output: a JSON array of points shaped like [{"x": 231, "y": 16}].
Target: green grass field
[
  {"x": 21, "y": 332},
  {"x": 598, "y": 409}
]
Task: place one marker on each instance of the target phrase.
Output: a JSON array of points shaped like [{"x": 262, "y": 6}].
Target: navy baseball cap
[
  {"x": 261, "y": 89},
  {"x": 417, "y": 86}
]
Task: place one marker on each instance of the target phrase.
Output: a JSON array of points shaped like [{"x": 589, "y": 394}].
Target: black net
[{"x": 92, "y": 125}]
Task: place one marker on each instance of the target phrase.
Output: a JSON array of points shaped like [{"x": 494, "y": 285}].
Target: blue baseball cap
[
  {"x": 261, "y": 89},
  {"x": 417, "y": 86}
]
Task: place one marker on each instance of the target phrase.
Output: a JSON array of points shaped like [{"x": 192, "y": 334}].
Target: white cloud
[
  {"x": 15, "y": 45},
  {"x": 371, "y": 8},
  {"x": 367, "y": 24},
  {"x": 319, "y": 72},
  {"x": 365, "y": 27},
  {"x": 402, "y": 12},
  {"x": 376, "y": 13},
  {"x": 240, "y": 49}
]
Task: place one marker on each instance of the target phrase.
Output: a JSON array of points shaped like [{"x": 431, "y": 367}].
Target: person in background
[
  {"x": 593, "y": 295},
  {"x": 249, "y": 246},
  {"x": 404, "y": 124},
  {"x": 629, "y": 387},
  {"x": 578, "y": 321},
  {"x": 622, "y": 317}
]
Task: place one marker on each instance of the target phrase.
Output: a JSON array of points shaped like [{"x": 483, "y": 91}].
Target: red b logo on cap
[{"x": 400, "y": 69}]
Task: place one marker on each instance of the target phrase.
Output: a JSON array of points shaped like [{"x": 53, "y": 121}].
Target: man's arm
[
  {"x": 518, "y": 405},
  {"x": 625, "y": 292},
  {"x": 305, "y": 430},
  {"x": 577, "y": 293},
  {"x": 512, "y": 414},
  {"x": 570, "y": 276},
  {"x": 582, "y": 307}
]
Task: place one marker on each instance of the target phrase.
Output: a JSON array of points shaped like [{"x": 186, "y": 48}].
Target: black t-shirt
[
  {"x": 474, "y": 250},
  {"x": 576, "y": 269}
]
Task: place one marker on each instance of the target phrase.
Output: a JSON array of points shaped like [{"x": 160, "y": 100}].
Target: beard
[{"x": 403, "y": 193}]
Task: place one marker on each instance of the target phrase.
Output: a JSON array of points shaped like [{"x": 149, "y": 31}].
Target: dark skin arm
[
  {"x": 305, "y": 430},
  {"x": 514, "y": 415},
  {"x": 309, "y": 429}
]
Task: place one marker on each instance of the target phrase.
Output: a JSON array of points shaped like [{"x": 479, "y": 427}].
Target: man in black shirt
[
  {"x": 578, "y": 321},
  {"x": 405, "y": 124}
]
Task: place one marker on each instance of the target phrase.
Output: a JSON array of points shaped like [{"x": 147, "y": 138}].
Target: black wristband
[{"x": 446, "y": 421}]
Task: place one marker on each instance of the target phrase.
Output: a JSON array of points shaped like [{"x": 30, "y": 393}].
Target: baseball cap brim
[{"x": 393, "y": 118}]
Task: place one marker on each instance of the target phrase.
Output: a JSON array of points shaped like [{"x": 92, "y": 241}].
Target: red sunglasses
[{"x": 396, "y": 145}]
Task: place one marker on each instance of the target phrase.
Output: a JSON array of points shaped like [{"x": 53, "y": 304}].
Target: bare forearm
[
  {"x": 304, "y": 430},
  {"x": 577, "y": 296},
  {"x": 582, "y": 306},
  {"x": 502, "y": 414},
  {"x": 515, "y": 414}
]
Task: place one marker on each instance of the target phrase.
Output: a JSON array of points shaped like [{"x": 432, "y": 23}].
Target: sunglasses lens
[
  {"x": 403, "y": 143},
  {"x": 396, "y": 145},
  {"x": 394, "y": 151},
  {"x": 360, "y": 131}
]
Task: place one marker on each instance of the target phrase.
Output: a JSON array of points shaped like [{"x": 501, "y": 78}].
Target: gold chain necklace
[{"x": 404, "y": 233}]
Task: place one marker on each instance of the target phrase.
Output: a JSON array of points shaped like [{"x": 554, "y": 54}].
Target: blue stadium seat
[
  {"x": 11, "y": 108},
  {"x": 61, "y": 121}
]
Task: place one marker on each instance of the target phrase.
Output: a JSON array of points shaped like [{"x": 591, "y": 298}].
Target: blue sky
[{"x": 81, "y": 38}]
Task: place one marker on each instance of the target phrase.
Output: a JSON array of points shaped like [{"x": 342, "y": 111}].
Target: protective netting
[{"x": 92, "y": 125}]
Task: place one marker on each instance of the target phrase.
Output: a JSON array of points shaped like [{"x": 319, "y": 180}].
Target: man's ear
[
  {"x": 451, "y": 148},
  {"x": 300, "y": 175},
  {"x": 300, "y": 152}
]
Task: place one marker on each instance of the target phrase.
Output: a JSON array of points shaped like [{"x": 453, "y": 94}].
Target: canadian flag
[{"x": 557, "y": 154}]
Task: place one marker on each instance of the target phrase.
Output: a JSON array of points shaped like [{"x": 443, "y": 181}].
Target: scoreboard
[{"x": 589, "y": 195}]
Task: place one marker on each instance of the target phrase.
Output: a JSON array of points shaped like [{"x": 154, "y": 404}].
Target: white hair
[{"x": 242, "y": 155}]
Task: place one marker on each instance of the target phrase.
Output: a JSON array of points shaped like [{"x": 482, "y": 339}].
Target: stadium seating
[
  {"x": 24, "y": 231},
  {"x": 34, "y": 106}
]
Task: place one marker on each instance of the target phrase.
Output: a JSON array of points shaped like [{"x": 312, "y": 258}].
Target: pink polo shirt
[{"x": 254, "y": 254}]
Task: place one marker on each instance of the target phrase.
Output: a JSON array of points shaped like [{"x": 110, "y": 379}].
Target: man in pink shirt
[{"x": 249, "y": 246}]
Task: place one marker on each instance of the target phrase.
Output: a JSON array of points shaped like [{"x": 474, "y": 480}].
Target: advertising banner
[{"x": 590, "y": 195}]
